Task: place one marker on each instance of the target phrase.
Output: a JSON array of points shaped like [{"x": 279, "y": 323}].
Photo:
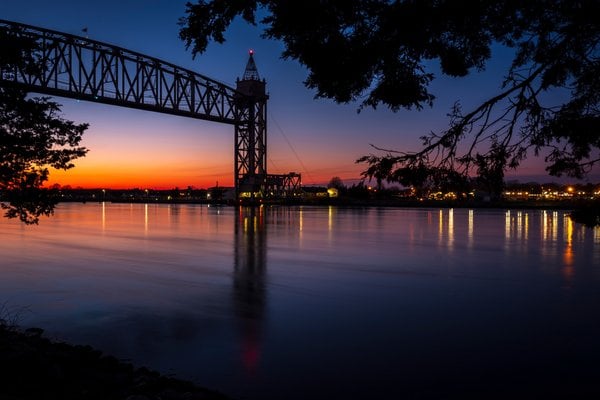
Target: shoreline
[
  {"x": 582, "y": 211},
  {"x": 34, "y": 367},
  {"x": 349, "y": 202}
]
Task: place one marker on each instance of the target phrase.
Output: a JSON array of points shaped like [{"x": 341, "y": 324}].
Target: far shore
[
  {"x": 584, "y": 211},
  {"x": 351, "y": 202}
]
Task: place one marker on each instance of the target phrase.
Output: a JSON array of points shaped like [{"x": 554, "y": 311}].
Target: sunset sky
[{"x": 318, "y": 138}]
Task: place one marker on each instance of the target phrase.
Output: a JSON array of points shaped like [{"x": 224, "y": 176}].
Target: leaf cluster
[
  {"x": 379, "y": 52},
  {"x": 33, "y": 137},
  {"x": 355, "y": 49}
]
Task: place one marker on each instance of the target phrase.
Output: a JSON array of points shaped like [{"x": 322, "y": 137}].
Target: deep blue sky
[{"x": 326, "y": 137}]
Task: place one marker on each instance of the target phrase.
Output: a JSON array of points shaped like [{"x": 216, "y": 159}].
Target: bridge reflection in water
[{"x": 249, "y": 276}]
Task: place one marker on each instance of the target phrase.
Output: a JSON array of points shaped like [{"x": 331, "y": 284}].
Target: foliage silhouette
[
  {"x": 381, "y": 53},
  {"x": 33, "y": 137},
  {"x": 337, "y": 183}
]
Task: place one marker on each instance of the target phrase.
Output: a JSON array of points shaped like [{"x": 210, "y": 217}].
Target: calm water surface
[{"x": 299, "y": 303}]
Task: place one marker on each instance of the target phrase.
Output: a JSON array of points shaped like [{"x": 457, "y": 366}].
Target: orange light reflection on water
[{"x": 568, "y": 255}]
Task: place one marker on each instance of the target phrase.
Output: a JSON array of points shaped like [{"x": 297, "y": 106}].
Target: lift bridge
[{"x": 77, "y": 67}]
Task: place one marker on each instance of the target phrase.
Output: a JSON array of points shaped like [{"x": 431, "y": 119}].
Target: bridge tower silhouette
[
  {"x": 77, "y": 67},
  {"x": 251, "y": 132}
]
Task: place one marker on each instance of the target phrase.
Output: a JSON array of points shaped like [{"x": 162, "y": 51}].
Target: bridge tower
[{"x": 250, "y": 147}]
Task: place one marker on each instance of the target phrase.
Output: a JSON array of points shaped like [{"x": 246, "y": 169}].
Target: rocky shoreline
[{"x": 33, "y": 367}]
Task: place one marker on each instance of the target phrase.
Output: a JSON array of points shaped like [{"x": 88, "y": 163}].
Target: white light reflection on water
[
  {"x": 103, "y": 217},
  {"x": 451, "y": 229},
  {"x": 263, "y": 303},
  {"x": 470, "y": 229},
  {"x": 507, "y": 225}
]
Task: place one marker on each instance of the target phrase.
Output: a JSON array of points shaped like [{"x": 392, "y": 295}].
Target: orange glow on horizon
[
  {"x": 129, "y": 178},
  {"x": 168, "y": 176},
  {"x": 139, "y": 163}
]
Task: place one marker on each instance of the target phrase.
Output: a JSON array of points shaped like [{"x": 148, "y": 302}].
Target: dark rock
[
  {"x": 33, "y": 367},
  {"x": 37, "y": 332}
]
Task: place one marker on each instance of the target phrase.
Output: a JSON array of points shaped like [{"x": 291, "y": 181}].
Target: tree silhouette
[
  {"x": 381, "y": 53},
  {"x": 33, "y": 137},
  {"x": 337, "y": 183}
]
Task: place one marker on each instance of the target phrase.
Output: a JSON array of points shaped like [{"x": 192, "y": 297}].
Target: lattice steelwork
[
  {"x": 284, "y": 186},
  {"x": 81, "y": 68},
  {"x": 251, "y": 134}
]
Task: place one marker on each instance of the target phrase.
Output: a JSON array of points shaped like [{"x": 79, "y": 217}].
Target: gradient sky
[{"x": 318, "y": 138}]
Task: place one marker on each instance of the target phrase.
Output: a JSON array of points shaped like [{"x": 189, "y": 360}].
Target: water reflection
[
  {"x": 516, "y": 225},
  {"x": 550, "y": 225},
  {"x": 470, "y": 229},
  {"x": 174, "y": 214},
  {"x": 361, "y": 297},
  {"x": 450, "y": 227},
  {"x": 445, "y": 229},
  {"x": 440, "y": 226},
  {"x": 568, "y": 266},
  {"x": 507, "y": 225},
  {"x": 249, "y": 288},
  {"x": 330, "y": 223},
  {"x": 557, "y": 237},
  {"x": 103, "y": 217},
  {"x": 146, "y": 219}
]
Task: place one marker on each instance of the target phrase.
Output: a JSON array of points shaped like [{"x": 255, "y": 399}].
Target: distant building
[{"x": 220, "y": 193}]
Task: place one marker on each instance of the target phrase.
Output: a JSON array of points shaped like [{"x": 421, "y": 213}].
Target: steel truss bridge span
[{"x": 81, "y": 68}]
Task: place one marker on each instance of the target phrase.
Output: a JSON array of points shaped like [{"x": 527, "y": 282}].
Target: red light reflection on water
[{"x": 251, "y": 351}]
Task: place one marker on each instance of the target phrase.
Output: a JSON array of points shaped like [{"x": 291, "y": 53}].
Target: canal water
[{"x": 319, "y": 302}]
